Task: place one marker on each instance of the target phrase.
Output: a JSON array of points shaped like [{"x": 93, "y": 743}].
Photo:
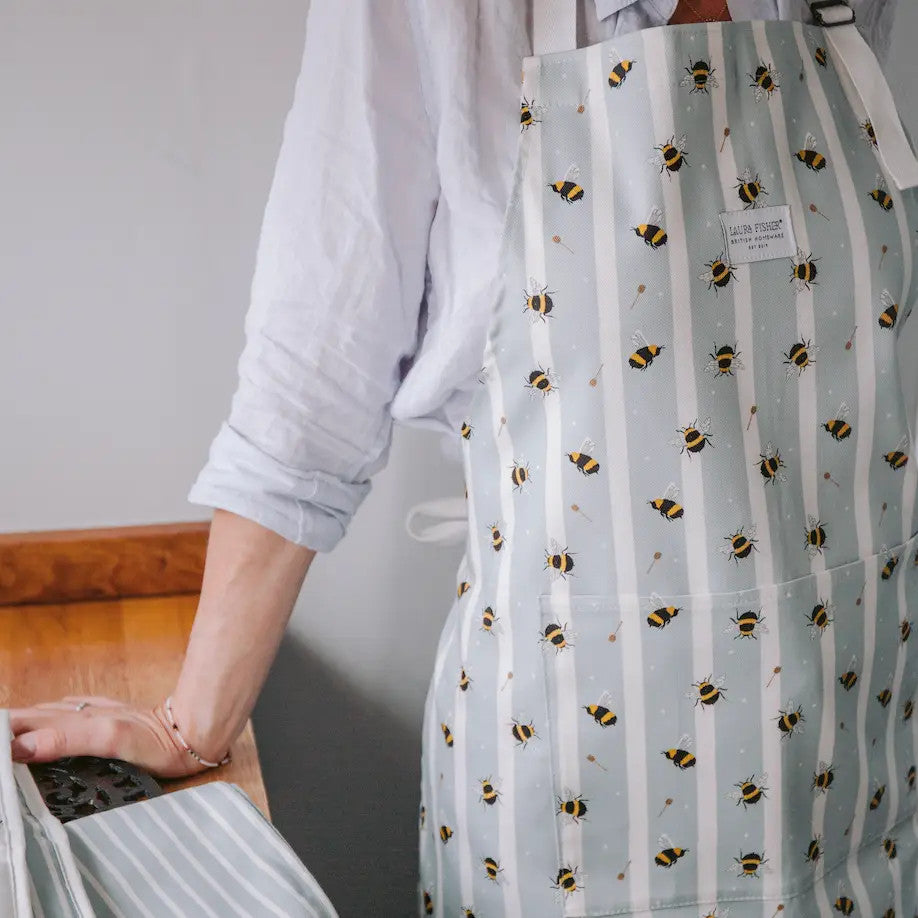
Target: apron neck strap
[{"x": 554, "y": 26}]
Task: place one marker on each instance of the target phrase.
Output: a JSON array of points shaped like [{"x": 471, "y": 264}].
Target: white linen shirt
[{"x": 376, "y": 268}]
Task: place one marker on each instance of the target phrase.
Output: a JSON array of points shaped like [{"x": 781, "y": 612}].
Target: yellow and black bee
[
  {"x": 804, "y": 271},
  {"x": 666, "y": 505},
  {"x": 700, "y": 76},
  {"x": 800, "y": 357},
  {"x": 890, "y": 849},
  {"x": 892, "y": 562},
  {"x": 810, "y": 156},
  {"x": 890, "y": 310},
  {"x": 814, "y": 850},
  {"x": 652, "y": 231},
  {"x": 881, "y": 195},
  {"x": 447, "y": 734},
  {"x": 487, "y": 620},
  {"x": 446, "y": 833},
  {"x": 884, "y": 697},
  {"x": 723, "y": 360},
  {"x": 838, "y": 427},
  {"x": 746, "y": 624},
  {"x": 766, "y": 81},
  {"x": 467, "y": 912},
  {"x": 555, "y": 636},
  {"x": 908, "y": 708},
  {"x": 823, "y": 777},
  {"x": 428, "y": 903},
  {"x": 719, "y": 273},
  {"x": 848, "y": 679},
  {"x": 910, "y": 778},
  {"x": 602, "y": 712},
  {"x": 693, "y": 437},
  {"x": 845, "y": 905},
  {"x": 877, "y": 797},
  {"x": 539, "y": 303},
  {"x": 822, "y": 56},
  {"x": 670, "y": 155},
  {"x": 621, "y": 67},
  {"x": 544, "y": 381},
  {"x": 522, "y": 733},
  {"x": 680, "y": 755},
  {"x": 497, "y": 540},
  {"x": 463, "y": 588},
  {"x": 566, "y": 880},
  {"x": 708, "y": 692},
  {"x": 661, "y": 615},
  {"x": 575, "y": 807},
  {"x": 868, "y": 132},
  {"x": 583, "y": 459},
  {"x": 492, "y": 868},
  {"x": 749, "y": 189},
  {"x": 528, "y": 111},
  {"x": 905, "y": 630},
  {"x": 820, "y": 618},
  {"x": 568, "y": 189},
  {"x": 466, "y": 429},
  {"x": 464, "y": 680},
  {"x": 559, "y": 560},
  {"x": 770, "y": 464},
  {"x": 489, "y": 795},
  {"x": 750, "y": 863},
  {"x": 790, "y": 720},
  {"x": 815, "y": 536},
  {"x": 742, "y": 543},
  {"x": 669, "y": 853},
  {"x": 750, "y": 792},
  {"x": 519, "y": 474},
  {"x": 422, "y": 815},
  {"x": 897, "y": 458},
  {"x": 645, "y": 354}
]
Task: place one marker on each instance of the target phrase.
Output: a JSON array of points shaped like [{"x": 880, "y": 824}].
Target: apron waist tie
[{"x": 453, "y": 511}]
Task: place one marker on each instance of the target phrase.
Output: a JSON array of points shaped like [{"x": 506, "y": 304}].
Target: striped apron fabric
[
  {"x": 201, "y": 851},
  {"x": 678, "y": 673}
]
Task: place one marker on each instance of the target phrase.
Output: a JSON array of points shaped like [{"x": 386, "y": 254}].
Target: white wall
[{"x": 137, "y": 143}]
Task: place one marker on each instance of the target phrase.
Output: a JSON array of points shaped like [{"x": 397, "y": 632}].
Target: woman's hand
[{"x": 104, "y": 727}]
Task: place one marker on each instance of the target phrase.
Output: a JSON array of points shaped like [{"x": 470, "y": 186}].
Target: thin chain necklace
[{"x": 696, "y": 12}]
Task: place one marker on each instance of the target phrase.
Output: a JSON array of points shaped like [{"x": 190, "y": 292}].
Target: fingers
[{"x": 64, "y": 735}]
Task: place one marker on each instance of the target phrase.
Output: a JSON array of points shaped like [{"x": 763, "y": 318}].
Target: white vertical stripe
[
  {"x": 693, "y": 521},
  {"x": 99, "y": 889},
  {"x": 52, "y": 874},
  {"x": 612, "y": 351},
  {"x": 560, "y": 671},
  {"x": 37, "y": 910}
]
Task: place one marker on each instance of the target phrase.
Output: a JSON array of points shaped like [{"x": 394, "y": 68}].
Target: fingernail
[{"x": 23, "y": 747}]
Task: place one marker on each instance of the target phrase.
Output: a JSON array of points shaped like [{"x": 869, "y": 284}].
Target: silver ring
[{"x": 81, "y": 705}]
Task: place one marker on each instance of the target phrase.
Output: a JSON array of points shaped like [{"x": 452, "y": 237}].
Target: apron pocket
[{"x": 711, "y": 747}]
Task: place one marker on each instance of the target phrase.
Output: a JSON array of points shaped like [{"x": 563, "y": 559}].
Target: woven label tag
[{"x": 758, "y": 234}]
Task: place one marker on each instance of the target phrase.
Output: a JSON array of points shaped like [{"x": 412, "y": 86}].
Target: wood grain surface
[
  {"x": 76, "y": 565},
  {"x": 128, "y": 649}
]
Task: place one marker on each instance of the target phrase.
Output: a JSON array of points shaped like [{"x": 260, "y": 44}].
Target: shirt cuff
[{"x": 309, "y": 508}]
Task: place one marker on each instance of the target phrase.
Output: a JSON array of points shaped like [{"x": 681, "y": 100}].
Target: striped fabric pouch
[{"x": 201, "y": 851}]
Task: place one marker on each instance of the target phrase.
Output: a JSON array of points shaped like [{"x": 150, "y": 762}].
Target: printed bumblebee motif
[
  {"x": 572, "y": 805},
  {"x": 428, "y": 903},
  {"x": 820, "y": 618},
  {"x": 492, "y": 868},
  {"x": 908, "y": 708},
  {"x": 848, "y": 679},
  {"x": 878, "y": 795},
  {"x": 751, "y": 790},
  {"x": 770, "y": 464},
  {"x": 823, "y": 777},
  {"x": 884, "y": 697},
  {"x": 800, "y": 357},
  {"x": 488, "y": 618},
  {"x": 790, "y": 720},
  {"x": 804, "y": 271},
  {"x": 447, "y": 734},
  {"x": 868, "y": 133},
  {"x": 890, "y": 850},
  {"x": 810, "y": 156},
  {"x": 489, "y": 793},
  {"x": 519, "y": 474},
  {"x": 559, "y": 560},
  {"x": 724, "y": 360},
  {"x": 692, "y": 438},
  {"x": 838, "y": 427},
  {"x": 815, "y": 536},
  {"x": 749, "y": 189},
  {"x": 719, "y": 273},
  {"x": 748, "y": 624},
  {"x": 814, "y": 850},
  {"x": 645, "y": 354},
  {"x": 528, "y": 112},
  {"x": 670, "y": 155},
  {"x": 583, "y": 459},
  {"x": 905, "y": 630},
  {"x": 669, "y": 854},
  {"x": 822, "y": 56},
  {"x": 750, "y": 863},
  {"x": 463, "y": 588},
  {"x": 897, "y": 458},
  {"x": 681, "y": 755},
  {"x": 890, "y": 563},
  {"x": 742, "y": 543},
  {"x": 566, "y": 187},
  {"x": 660, "y": 615},
  {"x": 666, "y": 505},
  {"x": 719, "y": 912},
  {"x": 466, "y": 430},
  {"x": 464, "y": 680},
  {"x": 621, "y": 67},
  {"x": 556, "y": 636},
  {"x": 708, "y": 690},
  {"x": 542, "y": 380},
  {"x": 881, "y": 195},
  {"x": 568, "y": 879},
  {"x": 843, "y": 904},
  {"x": 497, "y": 540},
  {"x": 766, "y": 81},
  {"x": 539, "y": 303},
  {"x": 700, "y": 76},
  {"x": 652, "y": 231},
  {"x": 890, "y": 310},
  {"x": 446, "y": 833},
  {"x": 910, "y": 778},
  {"x": 602, "y": 711},
  {"x": 522, "y": 732}
]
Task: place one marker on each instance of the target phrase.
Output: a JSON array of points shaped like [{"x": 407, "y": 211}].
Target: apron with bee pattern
[{"x": 678, "y": 674}]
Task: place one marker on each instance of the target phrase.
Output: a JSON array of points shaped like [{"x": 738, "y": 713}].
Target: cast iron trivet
[{"x": 82, "y": 785}]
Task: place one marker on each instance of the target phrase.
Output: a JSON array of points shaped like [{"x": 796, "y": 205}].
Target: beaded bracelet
[{"x": 224, "y": 761}]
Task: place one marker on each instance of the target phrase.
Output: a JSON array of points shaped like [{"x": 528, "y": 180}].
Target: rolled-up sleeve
[{"x": 338, "y": 284}]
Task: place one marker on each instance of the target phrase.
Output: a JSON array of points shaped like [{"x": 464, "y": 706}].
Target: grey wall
[{"x": 136, "y": 153}]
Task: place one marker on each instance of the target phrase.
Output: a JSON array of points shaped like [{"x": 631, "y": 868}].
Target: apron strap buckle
[{"x": 817, "y": 7}]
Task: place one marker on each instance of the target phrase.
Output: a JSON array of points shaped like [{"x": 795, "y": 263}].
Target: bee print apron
[{"x": 678, "y": 674}]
